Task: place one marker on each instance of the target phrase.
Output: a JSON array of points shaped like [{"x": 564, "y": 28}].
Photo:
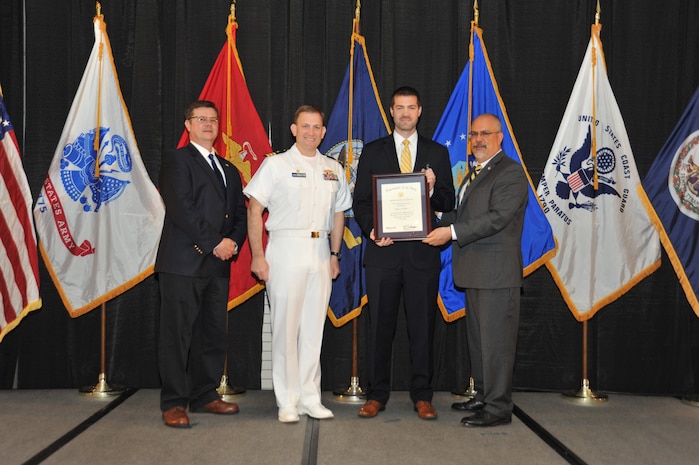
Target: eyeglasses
[
  {"x": 204, "y": 119},
  {"x": 482, "y": 133}
]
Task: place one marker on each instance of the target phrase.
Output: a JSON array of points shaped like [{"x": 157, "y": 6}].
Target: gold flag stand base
[
  {"x": 353, "y": 394},
  {"x": 101, "y": 389},
  {"x": 467, "y": 393},
  {"x": 228, "y": 392},
  {"x": 692, "y": 400},
  {"x": 585, "y": 396}
]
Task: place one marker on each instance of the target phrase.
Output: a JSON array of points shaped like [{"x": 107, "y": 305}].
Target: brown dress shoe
[
  {"x": 176, "y": 417},
  {"x": 370, "y": 409},
  {"x": 425, "y": 410},
  {"x": 217, "y": 406}
]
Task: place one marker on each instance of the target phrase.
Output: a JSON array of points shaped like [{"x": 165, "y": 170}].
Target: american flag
[{"x": 19, "y": 273}]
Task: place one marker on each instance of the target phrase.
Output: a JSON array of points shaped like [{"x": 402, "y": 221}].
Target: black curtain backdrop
[{"x": 296, "y": 52}]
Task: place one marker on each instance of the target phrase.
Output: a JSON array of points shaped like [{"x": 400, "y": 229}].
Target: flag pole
[
  {"x": 102, "y": 389},
  {"x": 469, "y": 391},
  {"x": 225, "y": 390},
  {"x": 585, "y": 395},
  {"x": 354, "y": 392}
]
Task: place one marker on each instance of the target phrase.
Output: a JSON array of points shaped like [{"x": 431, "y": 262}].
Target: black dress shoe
[
  {"x": 483, "y": 418},
  {"x": 471, "y": 406}
]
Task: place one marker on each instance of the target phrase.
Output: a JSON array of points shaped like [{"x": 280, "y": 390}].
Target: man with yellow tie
[{"x": 408, "y": 268}]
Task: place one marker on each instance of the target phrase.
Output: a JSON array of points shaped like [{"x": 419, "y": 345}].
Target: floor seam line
[
  {"x": 52, "y": 448},
  {"x": 548, "y": 438}
]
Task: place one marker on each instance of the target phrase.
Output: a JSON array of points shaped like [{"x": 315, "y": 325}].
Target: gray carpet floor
[{"x": 64, "y": 427}]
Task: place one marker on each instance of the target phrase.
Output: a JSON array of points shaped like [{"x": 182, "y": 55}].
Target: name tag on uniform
[{"x": 298, "y": 175}]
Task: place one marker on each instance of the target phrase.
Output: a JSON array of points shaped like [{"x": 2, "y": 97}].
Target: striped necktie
[
  {"x": 406, "y": 161},
  {"x": 474, "y": 173}
]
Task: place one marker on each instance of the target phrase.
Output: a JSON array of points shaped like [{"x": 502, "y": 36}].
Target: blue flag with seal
[
  {"x": 476, "y": 93},
  {"x": 357, "y": 118},
  {"x": 672, "y": 202}
]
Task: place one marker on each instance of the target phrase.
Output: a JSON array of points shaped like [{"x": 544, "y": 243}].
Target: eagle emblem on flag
[
  {"x": 577, "y": 185},
  {"x": 78, "y": 173}
]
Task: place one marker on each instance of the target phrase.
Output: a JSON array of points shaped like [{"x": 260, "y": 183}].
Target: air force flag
[{"x": 476, "y": 93}]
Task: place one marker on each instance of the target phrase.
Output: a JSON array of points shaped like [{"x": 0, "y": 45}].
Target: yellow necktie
[{"x": 406, "y": 161}]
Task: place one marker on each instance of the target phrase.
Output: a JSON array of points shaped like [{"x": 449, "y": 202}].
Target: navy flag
[
  {"x": 672, "y": 202},
  {"x": 476, "y": 93},
  {"x": 357, "y": 118}
]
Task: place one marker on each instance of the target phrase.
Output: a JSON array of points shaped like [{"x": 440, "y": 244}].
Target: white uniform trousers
[{"x": 299, "y": 289}]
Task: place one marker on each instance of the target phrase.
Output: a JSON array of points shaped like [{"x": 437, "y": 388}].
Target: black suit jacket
[
  {"x": 488, "y": 222},
  {"x": 198, "y": 214},
  {"x": 380, "y": 157}
]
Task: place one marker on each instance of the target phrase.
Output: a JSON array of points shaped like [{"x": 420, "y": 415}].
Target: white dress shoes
[
  {"x": 288, "y": 415},
  {"x": 317, "y": 411}
]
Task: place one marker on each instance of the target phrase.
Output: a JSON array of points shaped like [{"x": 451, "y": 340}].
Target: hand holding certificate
[{"x": 401, "y": 206}]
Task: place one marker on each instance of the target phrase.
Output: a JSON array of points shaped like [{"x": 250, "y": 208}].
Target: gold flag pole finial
[
  {"x": 357, "y": 11},
  {"x": 98, "y": 7},
  {"x": 476, "y": 14},
  {"x": 597, "y": 13},
  {"x": 233, "y": 8}
]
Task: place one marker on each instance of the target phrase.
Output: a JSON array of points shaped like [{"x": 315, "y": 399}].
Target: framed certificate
[{"x": 401, "y": 206}]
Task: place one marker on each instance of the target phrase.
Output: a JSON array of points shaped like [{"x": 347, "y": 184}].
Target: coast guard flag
[
  {"x": 606, "y": 242},
  {"x": 356, "y": 119},
  {"x": 19, "y": 270},
  {"x": 242, "y": 140},
  {"x": 98, "y": 215},
  {"x": 476, "y": 93},
  {"x": 672, "y": 185}
]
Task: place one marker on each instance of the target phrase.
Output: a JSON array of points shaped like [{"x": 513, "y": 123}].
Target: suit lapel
[
  {"x": 198, "y": 159},
  {"x": 421, "y": 157},
  {"x": 482, "y": 175},
  {"x": 391, "y": 155}
]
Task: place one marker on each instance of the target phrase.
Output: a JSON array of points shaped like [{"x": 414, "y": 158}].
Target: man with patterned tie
[
  {"x": 407, "y": 268},
  {"x": 205, "y": 221},
  {"x": 486, "y": 230}
]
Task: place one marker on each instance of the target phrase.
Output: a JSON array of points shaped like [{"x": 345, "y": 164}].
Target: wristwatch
[{"x": 336, "y": 254}]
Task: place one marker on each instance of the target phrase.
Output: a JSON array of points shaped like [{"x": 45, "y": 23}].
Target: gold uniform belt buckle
[{"x": 315, "y": 234}]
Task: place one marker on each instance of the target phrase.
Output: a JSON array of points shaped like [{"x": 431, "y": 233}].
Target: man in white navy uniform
[{"x": 306, "y": 195}]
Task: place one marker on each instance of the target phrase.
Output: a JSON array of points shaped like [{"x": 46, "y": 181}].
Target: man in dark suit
[
  {"x": 205, "y": 223},
  {"x": 486, "y": 230},
  {"x": 410, "y": 268}
]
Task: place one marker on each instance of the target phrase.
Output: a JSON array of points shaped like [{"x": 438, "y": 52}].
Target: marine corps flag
[
  {"x": 476, "y": 93},
  {"x": 589, "y": 189},
  {"x": 98, "y": 215},
  {"x": 672, "y": 185},
  {"x": 356, "y": 119},
  {"x": 242, "y": 140},
  {"x": 19, "y": 271}
]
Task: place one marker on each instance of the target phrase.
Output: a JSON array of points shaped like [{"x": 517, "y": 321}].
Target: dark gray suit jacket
[{"x": 488, "y": 224}]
